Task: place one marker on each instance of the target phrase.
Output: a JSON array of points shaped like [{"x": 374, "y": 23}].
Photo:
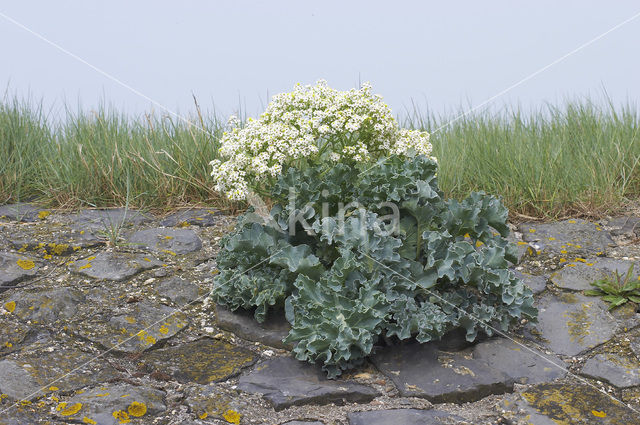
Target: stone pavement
[{"x": 104, "y": 319}]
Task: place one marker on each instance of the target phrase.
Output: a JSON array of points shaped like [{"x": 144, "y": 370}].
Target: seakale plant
[
  {"x": 353, "y": 254},
  {"x": 617, "y": 290}
]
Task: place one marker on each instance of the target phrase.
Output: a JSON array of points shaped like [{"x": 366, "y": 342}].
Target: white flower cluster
[{"x": 311, "y": 123}]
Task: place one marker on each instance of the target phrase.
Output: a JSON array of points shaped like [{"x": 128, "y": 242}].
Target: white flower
[{"x": 295, "y": 124}]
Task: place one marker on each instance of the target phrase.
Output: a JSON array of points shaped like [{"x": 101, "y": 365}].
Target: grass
[{"x": 577, "y": 159}]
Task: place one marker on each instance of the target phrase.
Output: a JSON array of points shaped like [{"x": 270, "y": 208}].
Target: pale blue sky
[{"x": 440, "y": 54}]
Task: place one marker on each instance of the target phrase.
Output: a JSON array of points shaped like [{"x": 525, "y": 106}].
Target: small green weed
[{"x": 617, "y": 290}]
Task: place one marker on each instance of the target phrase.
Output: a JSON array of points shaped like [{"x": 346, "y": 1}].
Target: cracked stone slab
[
  {"x": 107, "y": 220},
  {"x": 25, "y": 376},
  {"x": 180, "y": 291},
  {"x": 303, "y": 423},
  {"x": 523, "y": 364},
  {"x": 15, "y": 269},
  {"x": 22, "y": 211},
  {"x": 285, "y": 382},
  {"x": 203, "y": 217},
  {"x": 203, "y": 361},
  {"x": 112, "y": 404},
  {"x": 136, "y": 328},
  {"x": 404, "y": 417},
  {"x": 569, "y": 238},
  {"x": 166, "y": 240},
  {"x": 44, "y": 306},
  {"x": 115, "y": 266},
  {"x": 579, "y": 275},
  {"x": 617, "y": 370},
  {"x": 420, "y": 370},
  {"x": 569, "y": 324},
  {"x": 566, "y": 403},
  {"x": 242, "y": 323},
  {"x": 536, "y": 283}
]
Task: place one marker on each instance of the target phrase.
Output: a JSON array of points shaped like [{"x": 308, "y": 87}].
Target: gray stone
[
  {"x": 28, "y": 376},
  {"x": 135, "y": 329},
  {"x": 572, "y": 323},
  {"x": 12, "y": 333},
  {"x": 113, "y": 404},
  {"x": 63, "y": 244},
  {"x": 566, "y": 403},
  {"x": 116, "y": 266},
  {"x": 303, "y": 423},
  {"x": 202, "y": 217},
  {"x": 44, "y": 306},
  {"x": 178, "y": 290},
  {"x": 628, "y": 226},
  {"x": 569, "y": 238},
  {"x": 521, "y": 247},
  {"x": 523, "y": 364},
  {"x": 242, "y": 323},
  {"x": 403, "y": 417},
  {"x": 107, "y": 220},
  {"x": 203, "y": 361},
  {"x": 285, "y": 382},
  {"x": 619, "y": 371},
  {"x": 420, "y": 370},
  {"x": 15, "y": 268},
  {"x": 536, "y": 283},
  {"x": 166, "y": 240},
  {"x": 214, "y": 401},
  {"x": 20, "y": 212},
  {"x": 32, "y": 414},
  {"x": 579, "y": 275}
]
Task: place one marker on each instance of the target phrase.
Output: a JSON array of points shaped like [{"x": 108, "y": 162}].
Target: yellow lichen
[
  {"x": 43, "y": 214},
  {"x": 166, "y": 251},
  {"x": 60, "y": 248},
  {"x": 150, "y": 340},
  {"x": 47, "y": 256},
  {"x": 203, "y": 416},
  {"x": 163, "y": 330},
  {"x": 122, "y": 416},
  {"x": 25, "y": 264},
  {"x": 137, "y": 409},
  {"x": 572, "y": 221},
  {"x": 552, "y": 238},
  {"x": 8, "y": 344},
  {"x": 89, "y": 421},
  {"x": 69, "y": 410},
  {"x": 103, "y": 395},
  {"x": 232, "y": 416},
  {"x": 532, "y": 230},
  {"x": 53, "y": 388},
  {"x": 25, "y": 403},
  {"x": 86, "y": 266},
  {"x": 10, "y": 306}
]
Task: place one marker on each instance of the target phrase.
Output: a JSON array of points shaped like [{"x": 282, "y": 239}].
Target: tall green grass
[{"x": 578, "y": 159}]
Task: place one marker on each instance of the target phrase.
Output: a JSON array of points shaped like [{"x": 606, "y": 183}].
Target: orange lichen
[{"x": 137, "y": 409}]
